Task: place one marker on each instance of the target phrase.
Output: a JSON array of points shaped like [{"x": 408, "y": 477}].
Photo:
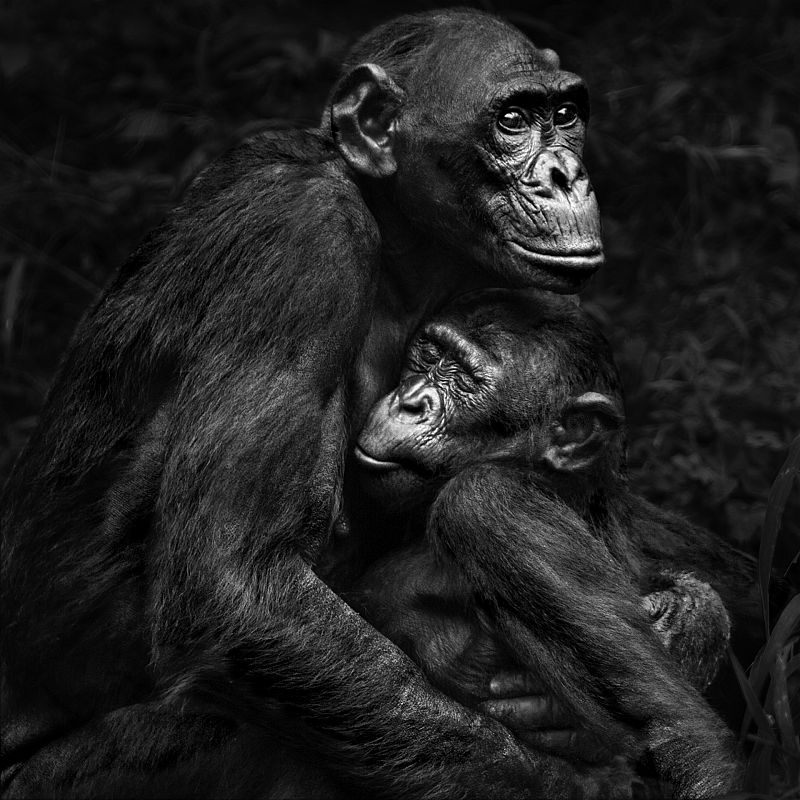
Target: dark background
[{"x": 108, "y": 108}]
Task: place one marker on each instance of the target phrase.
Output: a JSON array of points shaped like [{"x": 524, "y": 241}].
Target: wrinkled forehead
[
  {"x": 470, "y": 70},
  {"x": 457, "y": 342},
  {"x": 516, "y": 53}
]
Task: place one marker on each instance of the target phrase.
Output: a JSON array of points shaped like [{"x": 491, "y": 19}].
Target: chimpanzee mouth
[
  {"x": 567, "y": 265},
  {"x": 369, "y": 462}
]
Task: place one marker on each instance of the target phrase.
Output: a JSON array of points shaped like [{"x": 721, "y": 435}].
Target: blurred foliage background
[{"x": 110, "y": 107}]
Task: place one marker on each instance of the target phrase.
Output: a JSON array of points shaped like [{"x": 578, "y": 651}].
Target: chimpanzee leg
[{"x": 571, "y": 613}]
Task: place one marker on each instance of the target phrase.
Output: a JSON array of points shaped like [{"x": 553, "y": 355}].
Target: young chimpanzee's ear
[
  {"x": 364, "y": 108},
  {"x": 587, "y": 426}
]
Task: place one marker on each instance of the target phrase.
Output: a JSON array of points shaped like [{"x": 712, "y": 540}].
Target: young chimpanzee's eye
[
  {"x": 565, "y": 115},
  {"x": 426, "y": 353},
  {"x": 465, "y": 384},
  {"x": 512, "y": 120}
]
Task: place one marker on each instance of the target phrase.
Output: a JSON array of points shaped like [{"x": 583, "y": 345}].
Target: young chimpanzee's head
[
  {"x": 506, "y": 375},
  {"x": 475, "y": 137}
]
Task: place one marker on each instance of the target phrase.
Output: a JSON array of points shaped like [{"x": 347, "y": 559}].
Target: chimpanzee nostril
[
  {"x": 416, "y": 400},
  {"x": 559, "y": 179},
  {"x": 415, "y": 403},
  {"x": 554, "y": 171}
]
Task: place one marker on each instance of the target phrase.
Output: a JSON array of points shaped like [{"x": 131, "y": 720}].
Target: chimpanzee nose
[
  {"x": 416, "y": 400},
  {"x": 555, "y": 170}
]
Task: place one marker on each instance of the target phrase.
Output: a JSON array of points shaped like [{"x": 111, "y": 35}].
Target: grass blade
[
  {"x": 11, "y": 299},
  {"x": 779, "y": 494},
  {"x": 787, "y": 627},
  {"x": 754, "y": 708},
  {"x": 783, "y": 719}
]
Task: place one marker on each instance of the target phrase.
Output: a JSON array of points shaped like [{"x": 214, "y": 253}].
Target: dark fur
[
  {"x": 595, "y": 650},
  {"x": 544, "y": 566},
  {"x": 160, "y": 527}
]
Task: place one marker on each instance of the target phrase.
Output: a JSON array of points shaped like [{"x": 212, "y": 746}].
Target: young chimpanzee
[{"x": 505, "y": 440}]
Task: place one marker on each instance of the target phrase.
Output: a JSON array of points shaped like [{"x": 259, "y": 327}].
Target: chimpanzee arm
[
  {"x": 423, "y": 606},
  {"x": 566, "y": 605},
  {"x": 690, "y": 621}
]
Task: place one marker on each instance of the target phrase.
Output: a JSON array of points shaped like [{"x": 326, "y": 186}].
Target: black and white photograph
[{"x": 399, "y": 401}]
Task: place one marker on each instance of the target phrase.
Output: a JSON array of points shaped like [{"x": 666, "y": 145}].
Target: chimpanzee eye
[
  {"x": 565, "y": 115},
  {"x": 465, "y": 383},
  {"x": 426, "y": 353},
  {"x": 513, "y": 120}
]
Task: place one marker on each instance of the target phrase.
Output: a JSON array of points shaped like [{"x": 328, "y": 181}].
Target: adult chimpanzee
[
  {"x": 160, "y": 528},
  {"x": 505, "y": 432}
]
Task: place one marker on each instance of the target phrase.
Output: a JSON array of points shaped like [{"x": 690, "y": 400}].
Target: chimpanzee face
[
  {"x": 486, "y": 383},
  {"x": 434, "y": 421},
  {"x": 481, "y": 149},
  {"x": 492, "y": 159}
]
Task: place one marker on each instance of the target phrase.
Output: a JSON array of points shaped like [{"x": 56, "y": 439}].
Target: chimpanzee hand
[
  {"x": 539, "y": 720},
  {"x": 689, "y": 619}
]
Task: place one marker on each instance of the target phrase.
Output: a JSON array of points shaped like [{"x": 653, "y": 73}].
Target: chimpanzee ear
[
  {"x": 587, "y": 426},
  {"x": 364, "y": 108}
]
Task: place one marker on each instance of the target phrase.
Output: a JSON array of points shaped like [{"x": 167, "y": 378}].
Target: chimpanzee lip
[
  {"x": 376, "y": 464},
  {"x": 586, "y": 262}
]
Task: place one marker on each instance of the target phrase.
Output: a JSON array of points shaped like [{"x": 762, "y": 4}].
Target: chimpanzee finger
[
  {"x": 534, "y": 712},
  {"x": 515, "y": 684}
]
